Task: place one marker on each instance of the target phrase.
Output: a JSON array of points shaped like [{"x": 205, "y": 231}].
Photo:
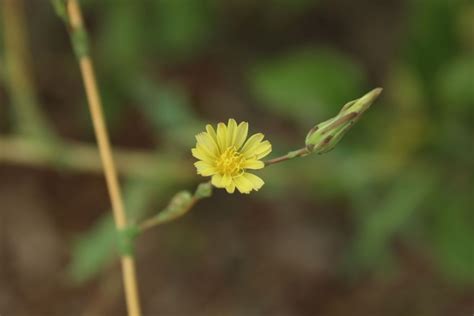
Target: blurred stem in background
[
  {"x": 29, "y": 119},
  {"x": 81, "y": 157}
]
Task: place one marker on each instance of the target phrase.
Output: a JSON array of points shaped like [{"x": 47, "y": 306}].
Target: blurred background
[{"x": 382, "y": 225}]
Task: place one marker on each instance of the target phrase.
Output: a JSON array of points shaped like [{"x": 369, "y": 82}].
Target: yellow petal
[
  {"x": 253, "y": 164},
  {"x": 206, "y": 141},
  {"x": 230, "y": 188},
  {"x": 226, "y": 180},
  {"x": 212, "y": 132},
  {"x": 200, "y": 154},
  {"x": 222, "y": 136},
  {"x": 231, "y": 132},
  {"x": 257, "y": 182},
  {"x": 241, "y": 135},
  {"x": 203, "y": 149},
  {"x": 263, "y": 149},
  {"x": 205, "y": 169},
  {"x": 242, "y": 184},
  {"x": 251, "y": 144},
  {"x": 217, "y": 181}
]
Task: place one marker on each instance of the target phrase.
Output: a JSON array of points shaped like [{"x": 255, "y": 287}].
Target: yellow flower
[{"x": 226, "y": 156}]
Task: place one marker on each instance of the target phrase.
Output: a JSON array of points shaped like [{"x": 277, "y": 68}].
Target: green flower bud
[
  {"x": 324, "y": 137},
  {"x": 203, "y": 190},
  {"x": 178, "y": 206},
  {"x": 179, "y": 202},
  {"x": 362, "y": 104}
]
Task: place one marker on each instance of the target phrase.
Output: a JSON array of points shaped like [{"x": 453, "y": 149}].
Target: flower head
[{"x": 226, "y": 156}]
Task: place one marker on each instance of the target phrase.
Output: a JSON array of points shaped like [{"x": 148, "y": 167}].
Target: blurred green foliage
[
  {"x": 307, "y": 85},
  {"x": 407, "y": 169},
  {"x": 454, "y": 83},
  {"x": 168, "y": 106},
  {"x": 92, "y": 251}
]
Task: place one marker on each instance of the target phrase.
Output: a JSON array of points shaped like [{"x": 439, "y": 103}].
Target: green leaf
[
  {"x": 453, "y": 235},
  {"x": 394, "y": 211},
  {"x": 122, "y": 40},
  {"x": 168, "y": 109},
  {"x": 431, "y": 38},
  {"x": 182, "y": 28},
  {"x": 94, "y": 249},
  {"x": 292, "y": 5},
  {"x": 455, "y": 85},
  {"x": 60, "y": 9},
  {"x": 307, "y": 85}
]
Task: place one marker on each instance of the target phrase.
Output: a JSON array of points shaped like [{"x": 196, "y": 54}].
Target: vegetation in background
[{"x": 405, "y": 175}]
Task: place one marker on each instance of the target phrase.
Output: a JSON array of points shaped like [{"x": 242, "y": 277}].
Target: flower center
[{"x": 229, "y": 162}]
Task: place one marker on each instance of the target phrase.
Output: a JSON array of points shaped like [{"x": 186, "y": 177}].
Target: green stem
[
  {"x": 292, "y": 154},
  {"x": 179, "y": 205},
  {"x": 156, "y": 220}
]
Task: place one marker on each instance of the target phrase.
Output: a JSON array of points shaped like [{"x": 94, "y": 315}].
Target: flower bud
[
  {"x": 178, "y": 206},
  {"x": 179, "y": 202},
  {"x": 203, "y": 190},
  {"x": 325, "y": 136}
]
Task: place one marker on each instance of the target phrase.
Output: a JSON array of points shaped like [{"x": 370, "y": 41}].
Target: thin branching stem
[
  {"x": 292, "y": 154},
  {"x": 95, "y": 107},
  {"x": 155, "y": 220},
  {"x": 181, "y": 204}
]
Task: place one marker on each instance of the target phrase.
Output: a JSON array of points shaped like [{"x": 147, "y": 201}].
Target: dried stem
[{"x": 95, "y": 107}]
